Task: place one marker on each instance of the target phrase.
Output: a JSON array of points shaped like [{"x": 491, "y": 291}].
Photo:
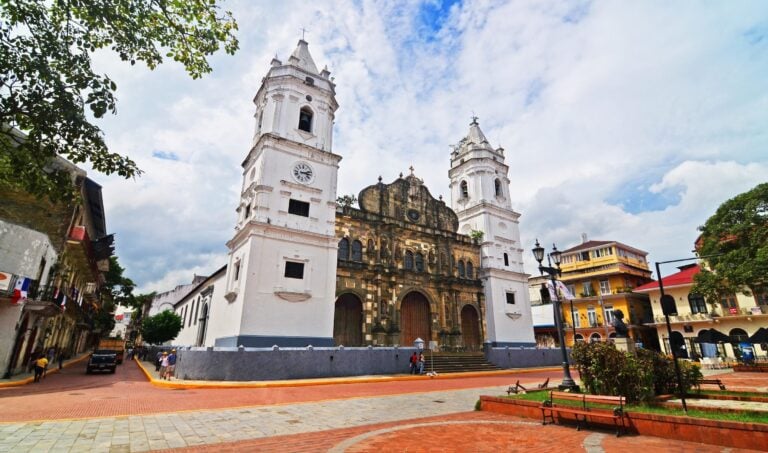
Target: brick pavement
[{"x": 132, "y": 415}]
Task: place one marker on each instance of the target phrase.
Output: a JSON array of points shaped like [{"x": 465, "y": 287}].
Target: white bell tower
[
  {"x": 281, "y": 276},
  {"x": 480, "y": 198}
]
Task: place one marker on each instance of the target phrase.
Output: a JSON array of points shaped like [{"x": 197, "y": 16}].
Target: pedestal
[{"x": 625, "y": 344}]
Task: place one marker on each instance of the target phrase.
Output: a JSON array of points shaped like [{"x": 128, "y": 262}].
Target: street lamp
[{"x": 555, "y": 255}]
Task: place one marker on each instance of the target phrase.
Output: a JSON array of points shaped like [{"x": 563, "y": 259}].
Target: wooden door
[
  {"x": 348, "y": 321},
  {"x": 470, "y": 328},
  {"x": 414, "y": 317}
]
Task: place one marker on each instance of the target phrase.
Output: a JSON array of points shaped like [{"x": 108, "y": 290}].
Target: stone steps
[{"x": 457, "y": 362}]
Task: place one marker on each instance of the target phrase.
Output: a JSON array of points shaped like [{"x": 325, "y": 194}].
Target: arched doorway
[
  {"x": 737, "y": 336},
  {"x": 677, "y": 342},
  {"x": 203, "y": 325},
  {"x": 470, "y": 329},
  {"x": 414, "y": 317},
  {"x": 348, "y": 321}
]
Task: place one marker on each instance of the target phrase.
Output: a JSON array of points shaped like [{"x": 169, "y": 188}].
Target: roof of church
[
  {"x": 301, "y": 58},
  {"x": 475, "y": 140}
]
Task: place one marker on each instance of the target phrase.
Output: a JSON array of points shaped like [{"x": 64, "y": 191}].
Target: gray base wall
[
  {"x": 252, "y": 364},
  {"x": 510, "y": 357}
]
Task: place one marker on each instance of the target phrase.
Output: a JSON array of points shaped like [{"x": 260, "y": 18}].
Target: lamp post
[{"x": 538, "y": 253}]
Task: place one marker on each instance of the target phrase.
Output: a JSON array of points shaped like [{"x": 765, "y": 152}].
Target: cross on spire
[
  {"x": 303, "y": 30},
  {"x": 411, "y": 168}
]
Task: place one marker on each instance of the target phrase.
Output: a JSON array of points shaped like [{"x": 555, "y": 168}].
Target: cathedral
[{"x": 304, "y": 270}]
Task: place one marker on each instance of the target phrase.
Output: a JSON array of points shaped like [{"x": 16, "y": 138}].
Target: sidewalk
[
  {"x": 148, "y": 368},
  {"x": 53, "y": 368}
]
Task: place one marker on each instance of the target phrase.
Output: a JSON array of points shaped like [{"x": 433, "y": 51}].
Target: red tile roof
[{"x": 684, "y": 277}]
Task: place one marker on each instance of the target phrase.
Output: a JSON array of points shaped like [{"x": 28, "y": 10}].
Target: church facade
[{"x": 304, "y": 271}]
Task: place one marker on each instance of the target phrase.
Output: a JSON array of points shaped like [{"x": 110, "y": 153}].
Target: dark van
[{"x": 102, "y": 360}]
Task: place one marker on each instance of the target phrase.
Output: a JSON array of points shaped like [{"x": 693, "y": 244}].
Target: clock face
[{"x": 303, "y": 173}]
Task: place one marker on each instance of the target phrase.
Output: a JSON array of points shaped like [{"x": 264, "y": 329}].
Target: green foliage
[
  {"x": 48, "y": 86},
  {"x": 104, "y": 319},
  {"x": 162, "y": 327},
  {"x": 117, "y": 289},
  {"x": 346, "y": 201},
  {"x": 604, "y": 370},
  {"x": 477, "y": 235},
  {"x": 738, "y": 235}
]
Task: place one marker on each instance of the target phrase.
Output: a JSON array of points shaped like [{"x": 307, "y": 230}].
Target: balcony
[{"x": 81, "y": 252}]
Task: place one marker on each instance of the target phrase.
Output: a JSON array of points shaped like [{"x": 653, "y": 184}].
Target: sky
[{"x": 624, "y": 121}]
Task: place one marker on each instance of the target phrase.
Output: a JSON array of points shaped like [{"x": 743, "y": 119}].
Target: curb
[
  {"x": 321, "y": 381},
  {"x": 28, "y": 380}
]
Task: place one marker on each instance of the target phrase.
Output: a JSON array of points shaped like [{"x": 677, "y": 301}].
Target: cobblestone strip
[{"x": 162, "y": 431}]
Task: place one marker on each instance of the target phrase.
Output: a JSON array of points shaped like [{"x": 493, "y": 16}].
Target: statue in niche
[
  {"x": 384, "y": 249},
  {"x": 618, "y": 324},
  {"x": 431, "y": 257},
  {"x": 398, "y": 255},
  {"x": 370, "y": 251}
]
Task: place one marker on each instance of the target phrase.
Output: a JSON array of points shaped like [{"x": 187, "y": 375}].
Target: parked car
[{"x": 102, "y": 360}]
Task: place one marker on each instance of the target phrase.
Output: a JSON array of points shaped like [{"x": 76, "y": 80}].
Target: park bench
[
  {"x": 583, "y": 411},
  {"x": 716, "y": 382}
]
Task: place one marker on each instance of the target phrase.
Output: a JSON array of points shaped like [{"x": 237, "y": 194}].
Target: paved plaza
[{"x": 74, "y": 412}]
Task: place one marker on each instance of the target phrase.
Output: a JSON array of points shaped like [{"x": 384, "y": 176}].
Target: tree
[
  {"x": 346, "y": 201},
  {"x": 47, "y": 80},
  {"x": 117, "y": 289},
  {"x": 162, "y": 327},
  {"x": 735, "y": 239}
]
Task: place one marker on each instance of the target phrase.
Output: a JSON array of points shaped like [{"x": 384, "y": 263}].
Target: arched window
[
  {"x": 697, "y": 303},
  {"x": 595, "y": 338},
  {"x": 408, "y": 259},
  {"x": 344, "y": 249},
  {"x": 357, "y": 251},
  {"x": 506, "y": 259},
  {"x": 419, "y": 258},
  {"x": 305, "y": 119},
  {"x": 497, "y": 187},
  {"x": 461, "y": 269},
  {"x": 464, "y": 190},
  {"x": 470, "y": 270},
  {"x": 579, "y": 338}
]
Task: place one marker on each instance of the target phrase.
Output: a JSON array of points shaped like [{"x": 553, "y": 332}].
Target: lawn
[{"x": 650, "y": 408}]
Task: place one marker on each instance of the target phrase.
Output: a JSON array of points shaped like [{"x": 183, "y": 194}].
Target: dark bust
[{"x": 618, "y": 324}]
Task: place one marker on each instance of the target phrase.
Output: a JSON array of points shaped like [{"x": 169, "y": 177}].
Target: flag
[
  {"x": 63, "y": 304},
  {"x": 20, "y": 290},
  {"x": 562, "y": 289}
]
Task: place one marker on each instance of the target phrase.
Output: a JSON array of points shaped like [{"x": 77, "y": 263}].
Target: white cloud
[{"x": 594, "y": 102}]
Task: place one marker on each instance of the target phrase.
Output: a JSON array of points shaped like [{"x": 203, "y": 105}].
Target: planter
[{"x": 713, "y": 432}]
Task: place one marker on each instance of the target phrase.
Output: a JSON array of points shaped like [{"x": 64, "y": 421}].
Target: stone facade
[{"x": 403, "y": 241}]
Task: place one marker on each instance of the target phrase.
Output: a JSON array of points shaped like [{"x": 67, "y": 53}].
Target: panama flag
[
  {"x": 63, "y": 302},
  {"x": 20, "y": 290}
]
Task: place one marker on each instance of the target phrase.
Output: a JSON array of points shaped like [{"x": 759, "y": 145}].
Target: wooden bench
[
  {"x": 716, "y": 382},
  {"x": 583, "y": 411}
]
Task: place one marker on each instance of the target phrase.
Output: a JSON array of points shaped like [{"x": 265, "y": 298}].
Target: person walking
[
  {"x": 40, "y": 364},
  {"x": 171, "y": 365},
  {"x": 414, "y": 363},
  {"x": 158, "y": 360},
  {"x": 421, "y": 363},
  {"x": 163, "y": 364}
]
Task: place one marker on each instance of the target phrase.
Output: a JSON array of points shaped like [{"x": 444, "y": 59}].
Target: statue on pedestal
[{"x": 618, "y": 324}]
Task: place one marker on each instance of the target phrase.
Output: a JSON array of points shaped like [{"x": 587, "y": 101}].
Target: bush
[{"x": 605, "y": 370}]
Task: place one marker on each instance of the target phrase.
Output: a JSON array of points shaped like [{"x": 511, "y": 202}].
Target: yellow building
[{"x": 601, "y": 275}]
